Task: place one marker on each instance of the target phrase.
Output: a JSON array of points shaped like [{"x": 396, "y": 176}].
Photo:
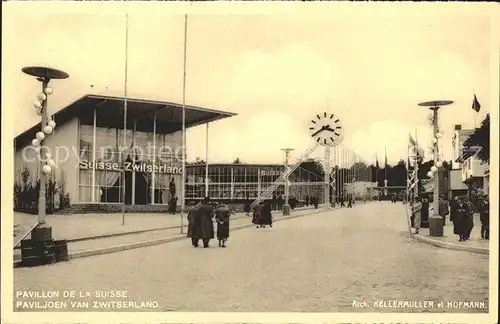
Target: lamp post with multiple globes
[
  {"x": 435, "y": 220},
  {"x": 43, "y": 75}
]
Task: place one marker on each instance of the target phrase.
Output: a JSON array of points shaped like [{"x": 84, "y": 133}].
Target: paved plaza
[{"x": 323, "y": 262}]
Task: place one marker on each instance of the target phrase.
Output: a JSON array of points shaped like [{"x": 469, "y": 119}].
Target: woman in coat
[
  {"x": 267, "y": 218},
  {"x": 257, "y": 214},
  {"x": 222, "y": 214}
]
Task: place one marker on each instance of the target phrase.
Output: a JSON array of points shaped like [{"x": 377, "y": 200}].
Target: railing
[
  {"x": 267, "y": 194},
  {"x": 24, "y": 236}
]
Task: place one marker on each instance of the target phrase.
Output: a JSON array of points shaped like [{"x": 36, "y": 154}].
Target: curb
[
  {"x": 451, "y": 246},
  {"x": 110, "y": 235},
  {"x": 136, "y": 245},
  {"x": 124, "y": 247}
]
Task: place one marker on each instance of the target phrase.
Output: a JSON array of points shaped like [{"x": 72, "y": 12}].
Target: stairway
[{"x": 267, "y": 194}]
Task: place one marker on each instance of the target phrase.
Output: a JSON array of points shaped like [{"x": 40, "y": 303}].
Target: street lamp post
[
  {"x": 286, "y": 206},
  {"x": 43, "y": 75},
  {"x": 435, "y": 220}
]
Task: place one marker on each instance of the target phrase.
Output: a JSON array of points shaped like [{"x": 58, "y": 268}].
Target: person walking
[
  {"x": 257, "y": 214},
  {"x": 349, "y": 201},
  {"x": 247, "y": 207},
  {"x": 194, "y": 225},
  {"x": 484, "y": 216},
  {"x": 469, "y": 220},
  {"x": 206, "y": 211},
  {"x": 459, "y": 209},
  {"x": 280, "y": 202},
  {"x": 266, "y": 216},
  {"x": 443, "y": 208},
  {"x": 222, "y": 215}
]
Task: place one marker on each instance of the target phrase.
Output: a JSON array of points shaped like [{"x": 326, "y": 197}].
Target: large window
[{"x": 118, "y": 148}]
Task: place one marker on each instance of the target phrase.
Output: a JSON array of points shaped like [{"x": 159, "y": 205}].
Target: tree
[
  {"x": 313, "y": 166},
  {"x": 481, "y": 137}
]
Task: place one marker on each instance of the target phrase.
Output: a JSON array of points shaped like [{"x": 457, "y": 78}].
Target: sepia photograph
[{"x": 187, "y": 161}]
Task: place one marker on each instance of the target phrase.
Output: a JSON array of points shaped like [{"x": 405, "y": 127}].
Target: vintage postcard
[{"x": 249, "y": 162}]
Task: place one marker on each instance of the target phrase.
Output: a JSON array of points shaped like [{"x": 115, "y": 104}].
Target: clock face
[{"x": 326, "y": 129}]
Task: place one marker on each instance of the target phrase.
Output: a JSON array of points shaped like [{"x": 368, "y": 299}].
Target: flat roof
[
  {"x": 194, "y": 164},
  {"x": 108, "y": 108}
]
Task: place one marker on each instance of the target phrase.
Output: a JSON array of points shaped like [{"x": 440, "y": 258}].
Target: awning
[{"x": 110, "y": 113}]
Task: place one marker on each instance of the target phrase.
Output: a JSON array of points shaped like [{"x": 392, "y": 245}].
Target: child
[{"x": 222, "y": 214}]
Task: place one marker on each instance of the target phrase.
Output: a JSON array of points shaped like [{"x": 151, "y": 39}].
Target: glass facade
[
  {"x": 233, "y": 181},
  {"x": 152, "y": 170}
]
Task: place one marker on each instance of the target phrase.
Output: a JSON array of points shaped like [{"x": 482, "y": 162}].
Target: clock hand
[{"x": 319, "y": 131}]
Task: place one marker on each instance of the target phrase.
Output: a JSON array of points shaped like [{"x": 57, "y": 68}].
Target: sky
[{"x": 276, "y": 71}]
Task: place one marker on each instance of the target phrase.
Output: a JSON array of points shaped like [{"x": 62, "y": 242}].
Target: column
[
  {"x": 132, "y": 154},
  {"x": 93, "y": 156},
  {"x": 206, "y": 162},
  {"x": 232, "y": 182},
  {"x": 153, "y": 174},
  {"x": 258, "y": 182}
]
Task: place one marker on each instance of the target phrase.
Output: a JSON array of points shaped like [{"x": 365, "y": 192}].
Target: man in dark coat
[
  {"x": 459, "y": 211},
  {"x": 201, "y": 223},
  {"x": 280, "y": 202},
  {"x": 307, "y": 201},
  {"x": 425, "y": 211},
  {"x": 349, "y": 201},
  {"x": 222, "y": 214},
  {"x": 469, "y": 223},
  {"x": 247, "y": 207},
  {"x": 484, "y": 216},
  {"x": 171, "y": 187},
  {"x": 274, "y": 202},
  {"x": 194, "y": 225}
]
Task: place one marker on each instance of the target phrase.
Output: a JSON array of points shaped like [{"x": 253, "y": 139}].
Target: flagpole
[
  {"x": 385, "y": 165},
  {"x": 417, "y": 186},
  {"x": 124, "y": 120},
  {"x": 183, "y": 189}
]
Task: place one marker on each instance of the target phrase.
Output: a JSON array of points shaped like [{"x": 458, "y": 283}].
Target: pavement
[
  {"x": 91, "y": 234},
  {"x": 343, "y": 260},
  {"x": 475, "y": 244}
]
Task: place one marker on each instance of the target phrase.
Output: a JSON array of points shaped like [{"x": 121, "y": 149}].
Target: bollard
[{"x": 436, "y": 226}]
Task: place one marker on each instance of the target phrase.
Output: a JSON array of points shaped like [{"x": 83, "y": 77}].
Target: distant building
[
  {"x": 361, "y": 189},
  {"x": 459, "y": 137},
  {"x": 96, "y": 167},
  {"x": 472, "y": 170},
  {"x": 239, "y": 181}
]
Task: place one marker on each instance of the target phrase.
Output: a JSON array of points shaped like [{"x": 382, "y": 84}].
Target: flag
[
  {"x": 385, "y": 159},
  {"x": 416, "y": 148},
  {"x": 475, "y": 104}
]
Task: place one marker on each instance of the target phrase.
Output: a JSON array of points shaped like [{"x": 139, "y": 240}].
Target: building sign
[
  {"x": 129, "y": 166},
  {"x": 270, "y": 172}
]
